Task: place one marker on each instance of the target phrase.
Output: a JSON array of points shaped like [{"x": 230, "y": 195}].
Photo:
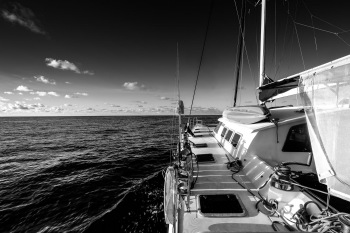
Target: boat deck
[{"x": 214, "y": 178}]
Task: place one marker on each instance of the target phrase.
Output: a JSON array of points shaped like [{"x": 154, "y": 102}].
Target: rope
[{"x": 201, "y": 59}]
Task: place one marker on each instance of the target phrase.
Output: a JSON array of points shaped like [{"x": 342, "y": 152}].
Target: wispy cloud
[
  {"x": 141, "y": 102},
  {"x": 44, "y": 93},
  {"x": 164, "y": 98},
  {"x": 76, "y": 95},
  {"x": 38, "y": 105},
  {"x": 82, "y": 94},
  {"x": 8, "y": 92},
  {"x": 55, "y": 109},
  {"x": 22, "y": 88},
  {"x": 133, "y": 86},
  {"x": 39, "y": 93},
  {"x": 22, "y": 16},
  {"x": 53, "y": 93},
  {"x": 3, "y": 99},
  {"x": 44, "y": 80},
  {"x": 18, "y": 106},
  {"x": 205, "y": 110},
  {"x": 65, "y": 65}
]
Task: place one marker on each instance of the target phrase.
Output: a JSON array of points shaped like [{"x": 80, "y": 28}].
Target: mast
[
  {"x": 240, "y": 49},
  {"x": 262, "y": 43}
]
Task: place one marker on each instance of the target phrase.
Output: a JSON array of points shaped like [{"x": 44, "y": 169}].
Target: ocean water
[{"x": 84, "y": 174}]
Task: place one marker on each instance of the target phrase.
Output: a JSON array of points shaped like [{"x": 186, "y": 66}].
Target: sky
[{"x": 67, "y": 58}]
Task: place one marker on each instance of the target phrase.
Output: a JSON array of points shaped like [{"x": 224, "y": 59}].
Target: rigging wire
[
  {"x": 323, "y": 30},
  {"x": 236, "y": 64},
  {"x": 240, "y": 45},
  {"x": 296, "y": 32},
  {"x": 301, "y": 52},
  {"x": 312, "y": 22},
  {"x": 275, "y": 39},
  {"x": 284, "y": 47},
  {"x": 337, "y": 34},
  {"x": 334, "y": 33},
  {"x": 246, "y": 52},
  {"x": 201, "y": 59},
  {"x": 341, "y": 29},
  {"x": 176, "y": 90}
]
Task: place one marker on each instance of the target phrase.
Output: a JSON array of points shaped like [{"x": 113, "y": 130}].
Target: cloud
[
  {"x": 8, "y": 92},
  {"x": 20, "y": 93},
  {"x": 3, "y": 99},
  {"x": 36, "y": 98},
  {"x": 22, "y": 88},
  {"x": 133, "y": 86},
  {"x": 83, "y": 94},
  {"x": 38, "y": 105},
  {"x": 76, "y": 95},
  {"x": 24, "y": 17},
  {"x": 88, "y": 72},
  {"x": 114, "y": 106},
  {"x": 44, "y": 93},
  {"x": 55, "y": 109},
  {"x": 67, "y": 82},
  {"x": 91, "y": 110},
  {"x": 53, "y": 93},
  {"x": 18, "y": 106},
  {"x": 65, "y": 65},
  {"x": 141, "y": 102},
  {"x": 205, "y": 110},
  {"x": 44, "y": 80},
  {"x": 39, "y": 93}
]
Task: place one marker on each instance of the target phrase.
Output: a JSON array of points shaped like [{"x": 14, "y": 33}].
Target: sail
[{"x": 326, "y": 99}]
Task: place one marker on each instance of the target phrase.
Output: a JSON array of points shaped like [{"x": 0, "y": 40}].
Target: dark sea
[{"x": 84, "y": 174}]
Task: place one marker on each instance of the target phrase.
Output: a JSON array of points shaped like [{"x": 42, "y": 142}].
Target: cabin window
[
  {"x": 297, "y": 139},
  {"x": 216, "y": 130},
  {"x": 223, "y": 132},
  {"x": 228, "y": 135},
  {"x": 235, "y": 140}
]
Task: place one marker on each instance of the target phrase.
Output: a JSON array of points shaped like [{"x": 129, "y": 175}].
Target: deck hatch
[
  {"x": 202, "y": 158},
  {"x": 200, "y": 145},
  {"x": 225, "y": 205}
]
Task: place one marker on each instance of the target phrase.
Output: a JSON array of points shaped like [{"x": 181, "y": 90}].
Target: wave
[{"x": 139, "y": 210}]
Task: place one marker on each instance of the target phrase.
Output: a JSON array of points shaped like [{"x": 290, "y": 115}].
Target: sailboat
[{"x": 241, "y": 175}]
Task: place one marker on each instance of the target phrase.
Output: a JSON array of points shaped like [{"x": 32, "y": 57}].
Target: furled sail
[
  {"x": 326, "y": 99},
  {"x": 170, "y": 196},
  {"x": 271, "y": 89}
]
